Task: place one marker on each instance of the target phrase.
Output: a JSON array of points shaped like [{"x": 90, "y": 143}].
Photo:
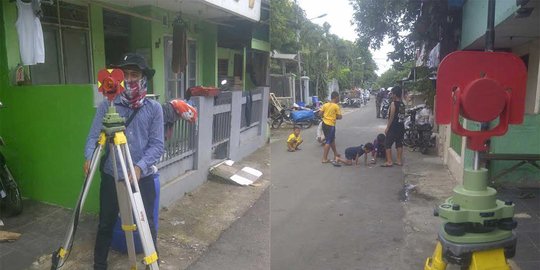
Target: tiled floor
[
  {"x": 41, "y": 226},
  {"x": 527, "y": 214}
]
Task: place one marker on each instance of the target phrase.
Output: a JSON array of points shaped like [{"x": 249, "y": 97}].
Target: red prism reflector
[
  {"x": 480, "y": 86},
  {"x": 111, "y": 82}
]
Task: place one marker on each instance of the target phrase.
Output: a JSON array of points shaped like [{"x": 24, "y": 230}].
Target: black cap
[{"x": 135, "y": 59}]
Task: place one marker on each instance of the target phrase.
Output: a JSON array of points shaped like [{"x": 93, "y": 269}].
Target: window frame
[
  {"x": 190, "y": 72},
  {"x": 61, "y": 61}
]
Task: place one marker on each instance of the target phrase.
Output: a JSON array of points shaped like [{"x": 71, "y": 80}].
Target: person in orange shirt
[{"x": 330, "y": 112}]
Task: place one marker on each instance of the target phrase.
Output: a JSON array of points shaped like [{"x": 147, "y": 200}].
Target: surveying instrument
[
  {"x": 477, "y": 230},
  {"x": 111, "y": 84}
]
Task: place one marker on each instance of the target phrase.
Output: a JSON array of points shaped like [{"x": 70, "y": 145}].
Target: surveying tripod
[
  {"x": 484, "y": 87},
  {"x": 127, "y": 188}
]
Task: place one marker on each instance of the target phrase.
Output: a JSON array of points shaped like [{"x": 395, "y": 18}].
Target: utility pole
[{"x": 298, "y": 55}]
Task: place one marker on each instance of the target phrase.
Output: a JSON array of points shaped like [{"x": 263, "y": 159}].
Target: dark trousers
[
  {"x": 108, "y": 213},
  {"x": 378, "y": 109}
]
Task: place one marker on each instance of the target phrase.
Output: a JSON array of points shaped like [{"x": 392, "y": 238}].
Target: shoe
[{"x": 386, "y": 165}]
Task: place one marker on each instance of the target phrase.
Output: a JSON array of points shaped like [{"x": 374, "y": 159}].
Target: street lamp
[
  {"x": 298, "y": 55},
  {"x": 298, "y": 39},
  {"x": 320, "y": 16}
]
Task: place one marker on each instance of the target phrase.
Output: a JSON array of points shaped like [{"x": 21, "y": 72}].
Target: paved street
[
  {"x": 326, "y": 217},
  {"x": 245, "y": 245}
]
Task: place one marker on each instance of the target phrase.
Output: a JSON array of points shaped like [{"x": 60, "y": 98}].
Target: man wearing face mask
[{"x": 145, "y": 136}]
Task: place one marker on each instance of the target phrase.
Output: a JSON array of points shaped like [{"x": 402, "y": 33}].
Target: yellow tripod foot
[
  {"x": 489, "y": 260},
  {"x": 493, "y": 259},
  {"x": 436, "y": 262}
]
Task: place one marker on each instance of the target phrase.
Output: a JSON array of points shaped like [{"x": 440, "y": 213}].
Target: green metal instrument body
[{"x": 474, "y": 202}]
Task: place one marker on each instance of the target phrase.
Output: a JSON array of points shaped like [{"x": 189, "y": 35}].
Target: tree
[
  {"x": 282, "y": 26},
  {"x": 324, "y": 55},
  {"x": 392, "y": 76},
  {"x": 407, "y": 24}
]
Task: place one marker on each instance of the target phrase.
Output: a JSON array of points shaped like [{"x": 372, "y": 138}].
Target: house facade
[{"x": 48, "y": 107}]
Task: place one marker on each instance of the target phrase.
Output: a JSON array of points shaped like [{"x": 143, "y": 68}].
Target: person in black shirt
[{"x": 395, "y": 129}]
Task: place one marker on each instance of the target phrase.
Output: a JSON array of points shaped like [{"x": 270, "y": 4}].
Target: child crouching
[
  {"x": 354, "y": 153},
  {"x": 379, "y": 151},
  {"x": 294, "y": 140}
]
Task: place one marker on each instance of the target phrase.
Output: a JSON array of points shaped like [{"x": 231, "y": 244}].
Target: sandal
[
  {"x": 336, "y": 164},
  {"x": 325, "y": 161},
  {"x": 398, "y": 164},
  {"x": 386, "y": 165}
]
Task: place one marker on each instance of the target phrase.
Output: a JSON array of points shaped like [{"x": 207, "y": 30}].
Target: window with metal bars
[{"x": 66, "y": 37}]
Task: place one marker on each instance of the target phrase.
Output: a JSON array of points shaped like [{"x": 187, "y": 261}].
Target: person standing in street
[
  {"x": 330, "y": 112},
  {"x": 395, "y": 129},
  {"x": 144, "y": 131},
  {"x": 378, "y": 102}
]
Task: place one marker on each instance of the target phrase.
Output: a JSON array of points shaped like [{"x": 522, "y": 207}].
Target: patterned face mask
[{"x": 134, "y": 94}]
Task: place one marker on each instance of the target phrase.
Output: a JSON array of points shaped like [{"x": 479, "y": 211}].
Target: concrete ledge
[
  {"x": 175, "y": 189},
  {"x": 455, "y": 165}
]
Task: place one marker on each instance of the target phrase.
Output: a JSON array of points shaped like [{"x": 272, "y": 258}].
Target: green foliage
[
  {"x": 394, "y": 75},
  {"x": 377, "y": 19},
  {"x": 324, "y": 55},
  {"x": 423, "y": 84},
  {"x": 405, "y": 23},
  {"x": 282, "y": 25}
]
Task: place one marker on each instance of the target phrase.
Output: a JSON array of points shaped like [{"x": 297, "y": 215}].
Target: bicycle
[{"x": 10, "y": 194}]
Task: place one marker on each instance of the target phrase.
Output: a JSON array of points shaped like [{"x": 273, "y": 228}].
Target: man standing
[
  {"x": 330, "y": 112},
  {"x": 144, "y": 131},
  {"x": 395, "y": 128},
  {"x": 378, "y": 100}
]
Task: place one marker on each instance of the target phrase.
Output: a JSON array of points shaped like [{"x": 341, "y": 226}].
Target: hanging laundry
[{"x": 30, "y": 34}]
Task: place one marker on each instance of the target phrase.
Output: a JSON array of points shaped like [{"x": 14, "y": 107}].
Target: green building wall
[
  {"x": 207, "y": 54},
  {"x": 474, "y": 20},
  {"x": 520, "y": 139},
  {"x": 45, "y": 126}
]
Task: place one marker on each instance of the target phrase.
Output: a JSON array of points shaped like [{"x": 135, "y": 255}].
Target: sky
[{"x": 339, "y": 16}]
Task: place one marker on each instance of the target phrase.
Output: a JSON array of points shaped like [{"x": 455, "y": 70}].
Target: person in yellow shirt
[
  {"x": 330, "y": 112},
  {"x": 294, "y": 140}
]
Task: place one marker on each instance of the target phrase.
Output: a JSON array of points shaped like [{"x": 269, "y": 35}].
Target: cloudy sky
[{"x": 339, "y": 16}]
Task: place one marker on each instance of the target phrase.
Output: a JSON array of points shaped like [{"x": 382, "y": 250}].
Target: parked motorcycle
[
  {"x": 10, "y": 194},
  {"x": 316, "y": 118},
  {"x": 418, "y": 135},
  {"x": 302, "y": 118},
  {"x": 353, "y": 102},
  {"x": 385, "y": 105},
  {"x": 365, "y": 96}
]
